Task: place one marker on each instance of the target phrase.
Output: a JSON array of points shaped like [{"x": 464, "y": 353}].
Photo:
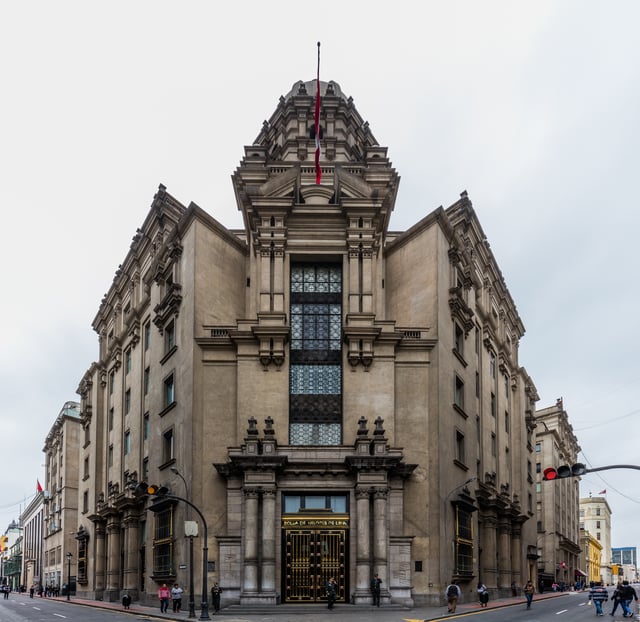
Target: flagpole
[{"x": 317, "y": 122}]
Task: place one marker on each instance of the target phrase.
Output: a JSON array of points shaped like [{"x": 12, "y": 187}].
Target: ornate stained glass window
[{"x": 315, "y": 378}]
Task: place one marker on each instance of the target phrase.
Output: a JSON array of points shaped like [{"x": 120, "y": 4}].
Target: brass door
[{"x": 312, "y": 556}]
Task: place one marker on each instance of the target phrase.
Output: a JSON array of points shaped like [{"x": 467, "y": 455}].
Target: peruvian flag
[
  {"x": 317, "y": 122},
  {"x": 38, "y": 487},
  {"x": 603, "y": 492}
]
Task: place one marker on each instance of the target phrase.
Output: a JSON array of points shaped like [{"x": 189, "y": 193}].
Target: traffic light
[
  {"x": 153, "y": 490},
  {"x": 574, "y": 470}
]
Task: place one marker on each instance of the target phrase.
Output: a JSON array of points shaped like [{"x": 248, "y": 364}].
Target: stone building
[
  {"x": 32, "y": 519},
  {"x": 595, "y": 517},
  {"x": 336, "y": 398},
  {"x": 557, "y": 500},
  {"x": 60, "y": 495}
]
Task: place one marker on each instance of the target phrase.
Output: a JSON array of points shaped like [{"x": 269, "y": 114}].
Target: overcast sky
[{"x": 533, "y": 108}]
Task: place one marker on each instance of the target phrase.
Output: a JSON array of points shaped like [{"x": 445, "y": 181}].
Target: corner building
[{"x": 336, "y": 398}]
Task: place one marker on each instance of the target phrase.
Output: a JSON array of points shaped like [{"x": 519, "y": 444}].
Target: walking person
[
  {"x": 216, "y": 590},
  {"x": 452, "y": 593},
  {"x": 376, "y": 582},
  {"x": 164, "y": 596},
  {"x": 126, "y": 600},
  {"x": 529, "y": 591},
  {"x": 332, "y": 592},
  {"x": 176, "y": 598},
  {"x": 598, "y": 595},
  {"x": 616, "y": 598},
  {"x": 483, "y": 594},
  {"x": 628, "y": 595}
]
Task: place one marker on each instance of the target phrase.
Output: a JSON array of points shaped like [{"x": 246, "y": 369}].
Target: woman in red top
[{"x": 164, "y": 595}]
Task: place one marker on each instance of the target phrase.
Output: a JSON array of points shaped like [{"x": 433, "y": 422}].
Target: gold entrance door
[{"x": 311, "y": 557}]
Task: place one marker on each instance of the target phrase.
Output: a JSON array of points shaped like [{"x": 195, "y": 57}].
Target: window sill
[
  {"x": 166, "y": 409},
  {"x": 460, "y": 411},
  {"x": 459, "y": 356},
  {"x": 461, "y": 465},
  {"x": 168, "y": 355}
]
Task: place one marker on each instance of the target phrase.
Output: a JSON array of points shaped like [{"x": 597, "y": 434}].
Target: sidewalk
[{"x": 296, "y": 613}]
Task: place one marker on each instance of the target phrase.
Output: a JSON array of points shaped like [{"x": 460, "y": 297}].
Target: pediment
[{"x": 280, "y": 185}]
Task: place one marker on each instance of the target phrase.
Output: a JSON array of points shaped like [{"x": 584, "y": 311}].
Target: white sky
[{"x": 530, "y": 107}]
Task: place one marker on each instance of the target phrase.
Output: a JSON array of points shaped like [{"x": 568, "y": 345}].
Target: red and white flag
[
  {"x": 38, "y": 486},
  {"x": 317, "y": 122},
  {"x": 603, "y": 492}
]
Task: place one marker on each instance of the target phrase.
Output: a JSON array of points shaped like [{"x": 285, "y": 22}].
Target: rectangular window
[
  {"x": 463, "y": 542},
  {"x": 492, "y": 364},
  {"x": 538, "y": 447},
  {"x": 147, "y": 374},
  {"x": 145, "y": 427},
  {"x": 110, "y": 456},
  {"x": 460, "y": 453},
  {"x": 538, "y": 467},
  {"x": 169, "y": 391},
  {"x": 315, "y": 373},
  {"x": 506, "y": 385},
  {"x": 169, "y": 336},
  {"x": 145, "y": 469},
  {"x": 86, "y": 468},
  {"x": 493, "y": 405},
  {"x": 82, "y": 560},
  {"x": 127, "y": 361},
  {"x": 459, "y": 393},
  {"x": 458, "y": 336},
  {"x": 163, "y": 544},
  {"x": 493, "y": 444},
  {"x": 167, "y": 446},
  {"x": 506, "y": 422},
  {"x": 147, "y": 335},
  {"x": 127, "y": 443},
  {"x": 111, "y": 418},
  {"x": 127, "y": 401},
  {"x": 85, "y": 501},
  {"x": 112, "y": 382}
]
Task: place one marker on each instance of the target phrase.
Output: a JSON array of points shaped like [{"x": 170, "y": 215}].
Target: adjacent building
[
  {"x": 337, "y": 399},
  {"x": 595, "y": 517},
  {"x": 557, "y": 510},
  {"x": 624, "y": 562},
  {"x": 60, "y": 497},
  {"x": 32, "y": 520},
  {"x": 590, "y": 557}
]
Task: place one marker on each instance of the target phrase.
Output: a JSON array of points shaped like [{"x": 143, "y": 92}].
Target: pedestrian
[
  {"x": 628, "y": 595},
  {"x": 376, "y": 582},
  {"x": 483, "y": 594},
  {"x": 452, "y": 593},
  {"x": 32, "y": 590},
  {"x": 176, "y": 597},
  {"x": 529, "y": 590},
  {"x": 164, "y": 595},
  {"x": 616, "y": 598},
  {"x": 598, "y": 595},
  {"x": 332, "y": 592},
  {"x": 216, "y": 590},
  {"x": 126, "y": 600}
]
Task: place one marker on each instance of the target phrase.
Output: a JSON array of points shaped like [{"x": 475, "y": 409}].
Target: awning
[{"x": 579, "y": 573}]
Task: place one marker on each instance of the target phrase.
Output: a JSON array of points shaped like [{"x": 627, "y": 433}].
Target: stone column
[
  {"x": 130, "y": 577},
  {"x": 100, "y": 559},
  {"x": 268, "y": 568},
  {"x": 488, "y": 560},
  {"x": 516, "y": 554},
  {"x": 380, "y": 534},
  {"x": 250, "y": 579},
  {"x": 504, "y": 552},
  {"x": 363, "y": 549},
  {"x": 113, "y": 556}
]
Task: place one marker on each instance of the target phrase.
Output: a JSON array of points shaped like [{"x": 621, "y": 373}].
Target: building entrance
[{"x": 314, "y": 549}]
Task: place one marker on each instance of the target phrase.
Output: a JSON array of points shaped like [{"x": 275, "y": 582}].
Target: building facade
[
  {"x": 557, "y": 509},
  {"x": 624, "y": 561},
  {"x": 32, "y": 520},
  {"x": 60, "y": 497},
  {"x": 595, "y": 517},
  {"x": 336, "y": 398},
  {"x": 590, "y": 557}
]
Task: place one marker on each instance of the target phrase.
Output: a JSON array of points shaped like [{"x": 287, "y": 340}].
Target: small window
[
  {"x": 492, "y": 364},
  {"x": 111, "y": 418},
  {"x": 127, "y": 401},
  {"x": 167, "y": 446},
  {"x": 458, "y": 339},
  {"x": 147, "y": 335},
  {"x": 169, "y": 336},
  {"x": 460, "y": 453},
  {"x": 147, "y": 375},
  {"x": 112, "y": 382},
  {"x": 493, "y": 444},
  {"x": 127, "y": 361},
  {"x": 145, "y": 427},
  {"x": 538, "y": 467},
  {"x": 86, "y": 468},
  {"x": 506, "y": 422},
  {"x": 127, "y": 443},
  {"x": 459, "y": 393},
  {"x": 145, "y": 469},
  {"x": 110, "y": 456},
  {"x": 169, "y": 391},
  {"x": 85, "y": 501},
  {"x": 538, "y": 447},
  {"x": 493, "y": 405}
]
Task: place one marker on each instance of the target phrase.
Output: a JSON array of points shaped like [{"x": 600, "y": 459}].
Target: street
[{"x": 566, "y": 607}]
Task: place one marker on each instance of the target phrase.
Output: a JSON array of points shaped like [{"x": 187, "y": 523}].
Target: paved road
[{"x": 283, "y": 613}]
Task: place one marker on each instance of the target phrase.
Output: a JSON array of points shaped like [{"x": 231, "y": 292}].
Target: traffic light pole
[
  {"x": 614, "y": 466},
  {"x": 204, "y": 610}
]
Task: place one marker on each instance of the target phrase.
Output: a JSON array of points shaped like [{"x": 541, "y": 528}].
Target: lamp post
[
  {"x": 192, "y": 604},
  {"x": 69, "y": 556}
]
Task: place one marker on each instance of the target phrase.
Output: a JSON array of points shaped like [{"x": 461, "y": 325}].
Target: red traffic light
[{"x": 575, "y": 470}]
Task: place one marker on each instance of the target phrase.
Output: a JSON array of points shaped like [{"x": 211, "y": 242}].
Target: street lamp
[
  {"x": 192, "y": 604},
  {"x": 69, "y": 556}
]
